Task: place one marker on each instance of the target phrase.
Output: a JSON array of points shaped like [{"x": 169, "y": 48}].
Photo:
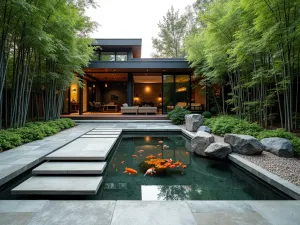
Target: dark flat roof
[{"x": 117, "y": 42}]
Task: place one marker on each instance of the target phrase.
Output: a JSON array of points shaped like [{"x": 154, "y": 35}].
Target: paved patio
[{"x": 149, "y": 212}]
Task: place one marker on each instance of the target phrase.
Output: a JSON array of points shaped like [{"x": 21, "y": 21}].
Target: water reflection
[{"x": 165, "y": 192}]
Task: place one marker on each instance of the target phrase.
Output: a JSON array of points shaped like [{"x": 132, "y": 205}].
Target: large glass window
[
  {"x": 176, "y": 92},
  {"x": 121, "y": 56},
  {"x": 107, "y": 56},
  {"x": 182, "y": 90},
  {"x": 168, "y": 93}
]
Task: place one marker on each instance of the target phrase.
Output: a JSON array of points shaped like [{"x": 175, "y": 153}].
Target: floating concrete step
[
  {"x": 100, "y": 136},
  {"x": 107, "y": 129},
  {"x": 105, "y": 132},
  {"x": 59, "y": 185},
  {"x": 76, "y": 168},
  {"x": 84, "y": 149}
]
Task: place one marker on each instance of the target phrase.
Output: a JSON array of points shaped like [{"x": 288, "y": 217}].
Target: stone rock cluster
[{"x": 204, "y": 144}]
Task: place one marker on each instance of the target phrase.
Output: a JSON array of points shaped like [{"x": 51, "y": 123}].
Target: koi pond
[{"x": 174, "y": 173}]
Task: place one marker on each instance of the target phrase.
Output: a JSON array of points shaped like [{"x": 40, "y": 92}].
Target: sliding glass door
[{"x": 176, "y": 92}]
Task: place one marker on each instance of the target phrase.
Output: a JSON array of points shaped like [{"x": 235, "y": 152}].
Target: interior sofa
[
  {"x": 147, "y": 110},
  {"x": 129, "y": 109}
]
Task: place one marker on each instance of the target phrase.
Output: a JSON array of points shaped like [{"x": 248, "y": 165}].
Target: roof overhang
[
  {"x": 161, "y": 66},
  {"x": 119, "y": 44}
]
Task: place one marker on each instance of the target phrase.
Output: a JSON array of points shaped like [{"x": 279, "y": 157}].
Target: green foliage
[
  {"x": 9, "y": 140},
  {"x": 206, "y": 115},
  {"x": 247, "y": 46},
  {"x": 169, "y": 43},
  {"x": 29, "y": 134},
  {"x": 32, "y": 131},
  {"x": 222, "y": 125},
  {"x": 177, "y": 115}
]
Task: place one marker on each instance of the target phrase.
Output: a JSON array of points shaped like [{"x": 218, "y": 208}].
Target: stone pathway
[
  {"x": 79, "y": 163},
  {"x": 149, "y": 212}
]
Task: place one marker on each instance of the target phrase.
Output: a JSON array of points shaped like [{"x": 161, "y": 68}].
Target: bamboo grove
[
  {"x": 43, "y": 46},
  {"x": 252, "y": 49}
]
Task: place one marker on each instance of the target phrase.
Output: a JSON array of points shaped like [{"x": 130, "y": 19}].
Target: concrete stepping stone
[
  {"x": 105, "y": 132},
  {"x": 77, "y": 168},
  {"x": 59, "y": 185},
  {"x": 100, "y": 136},
  {"x": 84, "y": 149}
]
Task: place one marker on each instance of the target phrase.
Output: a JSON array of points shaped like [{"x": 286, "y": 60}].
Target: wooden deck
[{"x": 113, "y": 116}]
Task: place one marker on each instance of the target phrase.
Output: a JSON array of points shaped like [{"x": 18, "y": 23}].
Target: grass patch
[
  {"x": 32, "y": 131},
  {"x": 222, "y": 125}
]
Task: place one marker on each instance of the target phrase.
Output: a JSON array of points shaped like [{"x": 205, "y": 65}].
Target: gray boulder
[
  {"x": 244, "y": 144},
  {"x": 193, "y": 122},
  {"x": 218, "y": 150},
  {"x": 201, "y": 141},
  {"x": 279, "y": 146},
  {"x": 204, "y": 128}
]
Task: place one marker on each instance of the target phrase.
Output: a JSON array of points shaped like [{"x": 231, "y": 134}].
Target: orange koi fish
[
  {"x": 172, "y": 166},
  {"x": 123, "y": 162},
  {"x": 160, "y": 142},
  {"x": 177, "y": 163},
  {"x": 134, "y": 156},
  {"x": 165, "y": 146},
  {"x": 186, "y": 153},
  {"x": 130, "y": 171},
  {"x": 183, "y": 166},
  {"x": 159, "y": 154},
  {"x": 140, "y": 151},
  {"x": 150, "y": 157}
]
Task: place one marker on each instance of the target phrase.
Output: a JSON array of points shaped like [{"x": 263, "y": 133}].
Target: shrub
[
  {"x": 226, "y": 124},
  {"x": 32, "y": 131},
  {"x": 177, "y": 115},
  {"x": 29, "y": 134},
  {"x": 206, "y": 115},
  {"x": 9, "y": 140}
]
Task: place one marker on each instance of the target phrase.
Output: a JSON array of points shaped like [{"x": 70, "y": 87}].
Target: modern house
[{"x": 118, "y": 77}]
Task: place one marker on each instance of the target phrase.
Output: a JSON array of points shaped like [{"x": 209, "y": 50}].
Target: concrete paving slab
[
  {"x": 84, "y": 149},
  {"x": 15, "y": 218},
  {"x": 219, "y": 206},
  {"x": 100, "y": 136},
  {"x": 230, "y": 219},
  {"x": 278, "y": 212},
  {"x": 76, "y": 168},
  {"x": 151, "y": 212},
  {"x": 75, "y": 213},
  {"x": 59, "y": 185},
  {"x": 16, "y": 206}
]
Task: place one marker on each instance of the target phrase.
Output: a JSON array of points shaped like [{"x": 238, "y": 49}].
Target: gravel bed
[{"x": 286, "y": 168}]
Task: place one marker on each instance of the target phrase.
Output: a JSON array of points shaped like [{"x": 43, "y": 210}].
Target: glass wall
[
  {"x": 107, "y": 56},
  {"x": 121, "y": 56},
  {"x": 182, "y": 91},
  {"x": 168, "y": 93},
  {"x": 176, "y": 92}
]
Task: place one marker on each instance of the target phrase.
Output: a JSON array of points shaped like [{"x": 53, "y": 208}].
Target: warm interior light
[
  {"x": 147, "y": 138},
  {"x": 74, "y": 90},
  {"x": 94, "y": 85},
  {"x": 147, "y": 89},
  {"x": 182, "y": 89},
  {"x": 105, "y": 85}
]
